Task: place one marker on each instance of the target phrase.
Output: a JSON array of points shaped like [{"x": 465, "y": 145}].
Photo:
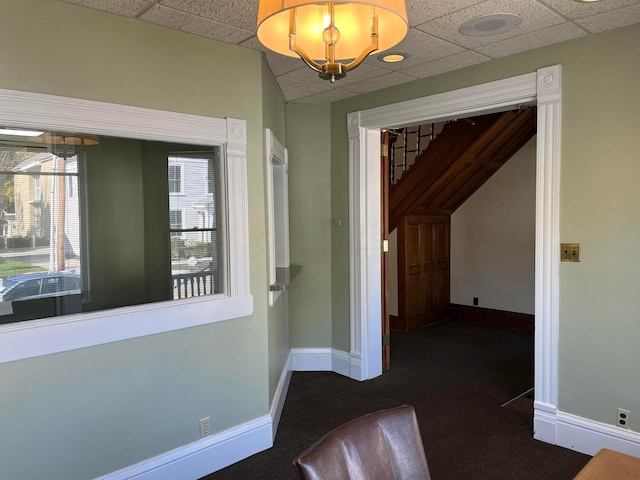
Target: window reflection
[{"x": 89, "y": 223}]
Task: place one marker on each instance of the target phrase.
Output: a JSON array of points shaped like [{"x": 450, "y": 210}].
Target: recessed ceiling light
[
  {"x": 585, "y": 1},
  {"x": 20, "y": 133},
  {"x": 487, "y": 25},
  {"x": 392, "y": 57}
]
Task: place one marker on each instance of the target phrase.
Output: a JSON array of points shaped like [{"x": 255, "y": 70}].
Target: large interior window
[
  {"x": 125, "y": 239},
  {"x": 128, "y": 257}
]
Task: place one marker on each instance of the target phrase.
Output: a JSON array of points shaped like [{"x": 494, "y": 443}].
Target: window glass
[
  {"x": 175, "y": 178},
  {"x": 97, "y": 217}
]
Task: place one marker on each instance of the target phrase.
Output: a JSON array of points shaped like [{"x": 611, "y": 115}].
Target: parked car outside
[{"x": 39, "y": 285}]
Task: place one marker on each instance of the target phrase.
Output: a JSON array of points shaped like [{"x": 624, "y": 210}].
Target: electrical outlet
[
  {"x": 205, "y": 427},
  {"x": 622, "y": 419}
]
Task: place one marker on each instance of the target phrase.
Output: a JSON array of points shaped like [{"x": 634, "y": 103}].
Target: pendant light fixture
[{"x": 332, "y": 38}]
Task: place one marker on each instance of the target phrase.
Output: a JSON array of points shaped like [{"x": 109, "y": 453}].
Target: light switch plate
[{"x": 569, "y": 252}]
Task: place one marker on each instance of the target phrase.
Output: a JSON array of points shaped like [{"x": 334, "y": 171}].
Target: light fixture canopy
[{"x": 334, "y": 37}]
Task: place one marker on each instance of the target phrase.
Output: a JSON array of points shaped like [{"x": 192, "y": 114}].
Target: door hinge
[
  {"x": 384, "y": 150},
  {"x": 385, "y": 246},
  {"x": 386, "y": 340}
]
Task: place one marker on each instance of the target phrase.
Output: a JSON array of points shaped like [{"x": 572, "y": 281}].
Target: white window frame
[
  {"x": 35, "y": 338},
  {"x": 277, "y": 168}
]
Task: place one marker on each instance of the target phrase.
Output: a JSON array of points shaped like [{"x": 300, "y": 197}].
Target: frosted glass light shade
[{"x": 352, "y": 19}]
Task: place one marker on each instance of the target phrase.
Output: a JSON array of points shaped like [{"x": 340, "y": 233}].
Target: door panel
[{"x": 423, "y": 267}]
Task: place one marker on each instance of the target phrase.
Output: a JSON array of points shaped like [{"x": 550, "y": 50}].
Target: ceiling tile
[
  {"x": 279, "y": 64},
  {"x": 376, "y": 83},
  {"x": 529, "y": 41},
  {"x": 293, "y": 90},
  {"x": 447, "y": 64},
  {"x": 239, "y": 13},
  {"x": 420, "y": 11},
  {"x": 608, "y": 21},
  {"x": 419, "y": 48},
  {"x": 128, "y": 8},
  {"x": 534, "y": 15},
  {"x": 575, "y": 10},
  {"x": 327, "y": 97},
  {"x": 177, "y": 20}
]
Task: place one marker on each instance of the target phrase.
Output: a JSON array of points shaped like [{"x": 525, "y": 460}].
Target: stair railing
[{"x": 405, "y": 145}]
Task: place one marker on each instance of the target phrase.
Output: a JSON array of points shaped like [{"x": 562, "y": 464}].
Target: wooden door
[
  {"x": 384, "y": 233},
  {"x": 423, "y": 269}
]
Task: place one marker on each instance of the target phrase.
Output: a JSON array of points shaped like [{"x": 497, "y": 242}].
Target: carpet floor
[{"x": 457, "y": 376}]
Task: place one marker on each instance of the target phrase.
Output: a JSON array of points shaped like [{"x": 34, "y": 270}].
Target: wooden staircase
[
  {"x": 456, "y": 163},
  {"x": 461, "y": 158}
]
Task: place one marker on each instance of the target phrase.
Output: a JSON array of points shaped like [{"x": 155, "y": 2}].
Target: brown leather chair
[{"x": 384, "y": 445}]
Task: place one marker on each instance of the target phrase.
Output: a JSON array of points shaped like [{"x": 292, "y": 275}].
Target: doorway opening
[{"x": 542, "y": 89}]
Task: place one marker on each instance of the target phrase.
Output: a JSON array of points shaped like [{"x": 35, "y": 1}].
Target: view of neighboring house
[
  {"x": 47, "y": 207},
  {"x": 191, "y": 201},
  {"x": 192, "y": 224}
]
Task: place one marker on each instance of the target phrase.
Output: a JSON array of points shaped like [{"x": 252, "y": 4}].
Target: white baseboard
[
  {"x": 325, "y": 360},
  {"x": 340, "y": 362},
  {"x": 311, "y": 359},
  {"x": 589, "y": 436},
  {"x": 583, "y": 435},
  {"x": 280, "y": 395},
  {"x": 204, "y": 456},
  {"x": 216, "y": 452}
]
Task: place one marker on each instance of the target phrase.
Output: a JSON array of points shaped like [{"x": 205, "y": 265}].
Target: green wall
[
  {"x": 599, "y": 330},
  {"x": 310, "y": 223},
  {"x": 88, "y": 412}
]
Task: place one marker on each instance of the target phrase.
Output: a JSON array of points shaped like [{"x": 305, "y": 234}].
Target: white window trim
[
  {"x": 58, "y": 334},
  {"x": 277, "y": 155}
]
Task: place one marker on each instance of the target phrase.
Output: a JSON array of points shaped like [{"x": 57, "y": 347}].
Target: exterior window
[
  {"x": 175, "y": 179},
  {"x": 175, "y": 222},
  {"x": 37, "y": 190},
  {"x": 193, "y": 226}
]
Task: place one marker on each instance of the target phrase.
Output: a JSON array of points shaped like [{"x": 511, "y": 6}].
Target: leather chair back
[{"x": 384, "y": 445}]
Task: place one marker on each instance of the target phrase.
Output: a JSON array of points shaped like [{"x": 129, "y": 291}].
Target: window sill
[
  {"x": 284, "y": 278},
  {"x": 35, "y": 338}
]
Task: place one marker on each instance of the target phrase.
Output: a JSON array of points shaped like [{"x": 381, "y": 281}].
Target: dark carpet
[{"x": 457, "y": 376}]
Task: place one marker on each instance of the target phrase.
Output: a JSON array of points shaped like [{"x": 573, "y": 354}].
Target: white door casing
[{"x": 541, "y": 88}]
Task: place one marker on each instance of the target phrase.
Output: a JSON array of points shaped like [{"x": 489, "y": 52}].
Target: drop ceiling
[{"x": 433, "y": 45}]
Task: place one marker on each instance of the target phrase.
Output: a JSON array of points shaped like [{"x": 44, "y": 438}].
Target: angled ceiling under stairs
[{"x": 458, "y": 161}]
